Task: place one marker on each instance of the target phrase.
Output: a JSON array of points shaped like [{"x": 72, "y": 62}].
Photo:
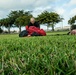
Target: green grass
[
  {"x": 57, "y": 32},
  {"x": 47, "y": 55}
]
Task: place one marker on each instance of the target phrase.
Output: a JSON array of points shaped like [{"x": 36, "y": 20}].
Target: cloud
[
  {"x": 3, "y": 14},
  {"x": 72, "y": 2},
  {"x": 39, "y": 10},
  {"x": 15, "y": 4},
  {"x": 73, "y": 12},
  {"x": 36, "y": 5},
  {"x": 60, "y": 10},
  {"x": 23, "y": 4}
]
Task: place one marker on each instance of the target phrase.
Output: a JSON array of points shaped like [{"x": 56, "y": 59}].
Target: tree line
[
  {"x": 17, "y": 18},
  {"x": 20, "y": 18}
]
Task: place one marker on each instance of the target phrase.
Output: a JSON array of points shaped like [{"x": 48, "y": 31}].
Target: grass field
[
  {"x": 47, "y": 55},
  {"x": 57, "y": 32}
]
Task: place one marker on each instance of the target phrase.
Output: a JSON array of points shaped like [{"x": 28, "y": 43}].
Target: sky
[{"x": 65, "y": 8}]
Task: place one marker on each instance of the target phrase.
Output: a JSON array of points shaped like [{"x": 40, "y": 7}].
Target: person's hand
[{"x": 29, "y": 35}]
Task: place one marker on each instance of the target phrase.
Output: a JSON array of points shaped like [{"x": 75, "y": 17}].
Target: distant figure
[
  {"x": 73, "y": 32},
  {"x": 33, "y": 23},
  {"x": 33, "y": 29}
]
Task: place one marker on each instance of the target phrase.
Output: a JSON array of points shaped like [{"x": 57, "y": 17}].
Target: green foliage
[
  {"x": 19, "y": 18},
  {"x": 19, "y": 15},
  {"x": 22, "y": 20},
  {"x": 6, "y": 22},
  {"x": 38, "y": 55},
  {"x": 73, "y": 27},
  {"x": 72, "y": 20},
  {"x": 50, "y": 18}
]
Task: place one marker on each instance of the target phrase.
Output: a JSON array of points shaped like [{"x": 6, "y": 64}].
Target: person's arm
[
  {"x": 37, "y": 25},
  {"x": 29, "y": 24}
]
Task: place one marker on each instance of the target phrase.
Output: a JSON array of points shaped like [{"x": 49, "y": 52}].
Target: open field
[
  {"x": 49, "y": 33},
  {"x": 57, "y": 32},
  {"x": 47, "y": 55}
]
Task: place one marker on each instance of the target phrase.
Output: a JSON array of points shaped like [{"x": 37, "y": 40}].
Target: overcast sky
[{"x": 66, "y": 8}]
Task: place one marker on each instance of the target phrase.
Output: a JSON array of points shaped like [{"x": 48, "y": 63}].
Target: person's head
[{"x": 32, "y": 20}]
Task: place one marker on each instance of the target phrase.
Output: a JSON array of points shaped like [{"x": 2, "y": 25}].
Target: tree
[
  {"x": 72, "y": 20},
  {"x": 16, "y": 14},
  {"x": 49, "y": 18},
  {"x": 1, "y": 22},
  {"x": 22, "y": 21},
  {"x": 0, "y": 26},
  {"x": 17, "y": 18},
  {"x": 6, "y": 22}
]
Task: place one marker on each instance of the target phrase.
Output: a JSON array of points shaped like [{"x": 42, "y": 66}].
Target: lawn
[
  {"x": 47, "y": 55},
  {"x": 57, "y": 32}
]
